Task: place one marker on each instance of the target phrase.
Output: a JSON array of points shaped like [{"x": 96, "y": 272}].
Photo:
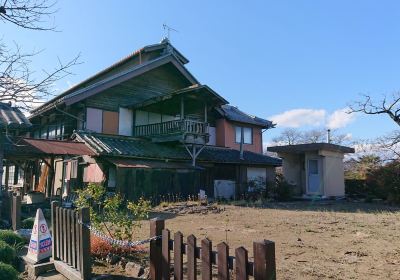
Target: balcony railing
[{"x": 172, "y": 127}]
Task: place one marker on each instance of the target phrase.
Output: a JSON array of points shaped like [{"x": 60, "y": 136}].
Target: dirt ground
[{"x": 314, "y": 240}]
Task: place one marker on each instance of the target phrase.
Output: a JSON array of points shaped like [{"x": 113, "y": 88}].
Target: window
[
  {"x": 247, "y": 135},
  {"x": 112, "y": 177}
]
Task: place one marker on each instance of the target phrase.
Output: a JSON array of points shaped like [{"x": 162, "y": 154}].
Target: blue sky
[{"x": 268, "y": 58}]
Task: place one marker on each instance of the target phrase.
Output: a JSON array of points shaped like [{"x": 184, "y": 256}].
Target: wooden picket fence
[
  {"x": 11, "y": 209},
  {"x": 263, "y": 266},
  {"x": 71, "y": 242},
  {"x": 71, "y": 252}
]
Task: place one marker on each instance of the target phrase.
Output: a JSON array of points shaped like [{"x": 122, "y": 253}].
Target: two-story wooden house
[{"x": 154, "y": 129}]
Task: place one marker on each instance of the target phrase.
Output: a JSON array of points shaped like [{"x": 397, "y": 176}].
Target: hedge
[
  {"x": 8, "y": 272},
  {"x": 11, "y": 237},
  {"x": 7, "y": 253}
]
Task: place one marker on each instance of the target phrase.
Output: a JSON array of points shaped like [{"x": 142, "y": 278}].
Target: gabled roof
[
  {"x": 11, "y": 117},
  {"x": 234, "y": 114},
  {"x": 85, "y": 89},
  {"x": 202, "y": 91},
  {"x": 301, "y": 148},
  {"x": 131, "y": 147}
]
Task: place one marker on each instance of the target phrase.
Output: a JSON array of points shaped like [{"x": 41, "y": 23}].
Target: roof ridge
[{"x": 116, "y": 64}]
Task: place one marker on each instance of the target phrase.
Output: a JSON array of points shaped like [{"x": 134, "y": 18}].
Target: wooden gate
[
  {"x": 213, "y": 263},
  {"x": 71, "y": 242}
]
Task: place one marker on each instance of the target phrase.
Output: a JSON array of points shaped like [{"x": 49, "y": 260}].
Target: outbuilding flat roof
[{"x": 300, "y": 148}]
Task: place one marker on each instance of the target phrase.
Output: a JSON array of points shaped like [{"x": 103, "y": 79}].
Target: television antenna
[{"x": 167, "y": 30}]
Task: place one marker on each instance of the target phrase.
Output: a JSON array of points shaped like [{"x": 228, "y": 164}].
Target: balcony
[{"x": 185, "y": 131}]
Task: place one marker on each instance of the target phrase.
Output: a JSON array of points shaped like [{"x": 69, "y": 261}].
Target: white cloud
[
  {"x": 339, "y": 119},
  {"x": 299, "y": 117},
  {"x": 313, "y": 117}
]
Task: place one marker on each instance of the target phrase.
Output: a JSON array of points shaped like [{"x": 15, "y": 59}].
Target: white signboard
[{"x": 41, "y": 243}]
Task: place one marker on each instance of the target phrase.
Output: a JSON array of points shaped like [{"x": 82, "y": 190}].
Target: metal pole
[
  {"x": 329, "y": 136},
  {"x": 182, "y": 108},
  {"x": 205, "y": 112},
  {"x": 1, "y": 158}
]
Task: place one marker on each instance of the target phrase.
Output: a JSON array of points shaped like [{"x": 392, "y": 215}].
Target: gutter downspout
[{"x": 241, "y": 142}]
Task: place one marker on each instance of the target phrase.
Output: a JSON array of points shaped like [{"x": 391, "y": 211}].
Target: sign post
[{"x": 41, "y": 243}]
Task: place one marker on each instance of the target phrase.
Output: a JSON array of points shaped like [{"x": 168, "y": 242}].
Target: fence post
[
  {"x": 206, "y": 259},
  {"x": 156, "y": 228},
  {"x": 223, "y": 261},
  {"x": 166, "y": 259},
  {"x": 264, "y": 260},
  {"x": 178, "y": 259},
  {"x": 55, "y": 233},
  {"x": 191, "y": 257},
  {"x": 241, "y": 259},
  {"x": 86, "y": 266},
  {"x": 16, "y": 212},
  {"x": 5, "y": 205}
]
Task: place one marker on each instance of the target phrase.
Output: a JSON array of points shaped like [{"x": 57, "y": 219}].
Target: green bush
[
  {"x": 7, "y": 253},
  {"x": 11, "y": 237},
  {"x": 121, "y": 216},
  {"x": 281, "y": 190},
  {"x": 8, "y": 272},
  {"x": 28, "y": 223},
  {"x": 385, "y": 181}
]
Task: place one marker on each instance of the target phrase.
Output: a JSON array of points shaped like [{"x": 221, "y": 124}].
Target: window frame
[{"x": 240, "y": 129}]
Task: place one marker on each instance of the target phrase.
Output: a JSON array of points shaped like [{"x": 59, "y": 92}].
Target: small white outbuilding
[{"x": 314, "y": 169}]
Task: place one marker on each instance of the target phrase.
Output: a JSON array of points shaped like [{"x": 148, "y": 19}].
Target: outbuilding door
[{"x": 313, "y": 176}]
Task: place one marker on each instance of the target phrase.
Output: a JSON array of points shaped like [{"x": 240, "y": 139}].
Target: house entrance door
[{"x": 313, "y": 177}]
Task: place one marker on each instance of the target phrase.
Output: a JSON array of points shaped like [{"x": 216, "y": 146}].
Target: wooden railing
[
  {"x": 71, "y": 242},
  {"x": 213, "y": 263},
  {"x": 170, "y": 127}
]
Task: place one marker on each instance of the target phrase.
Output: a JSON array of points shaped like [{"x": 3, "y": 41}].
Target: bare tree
[
  {"x": 388, "y": 105},
  {"x": 360, "y": 167},
  {"x": 389, "y": 144},
  {"x": 289, "y": 136},
  {"x": 313, "y": 136},
  {"x": 292, "y": 136},
  {"x": 19, "y": 83},
  {"x": 29, "y": 14}
]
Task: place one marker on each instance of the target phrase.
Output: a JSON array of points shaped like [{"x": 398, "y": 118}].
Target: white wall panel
[
  {"x": 94, "y": 119},
  {"x": 125, "y": 122}
]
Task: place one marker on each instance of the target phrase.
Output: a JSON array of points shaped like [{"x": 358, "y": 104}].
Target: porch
[
  {"x": 182, "y": 116},
  {"x": 188, "y": 131}
]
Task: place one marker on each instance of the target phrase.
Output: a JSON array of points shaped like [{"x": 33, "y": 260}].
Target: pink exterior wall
[
  {"x": 93, "y": 174},
  {"x": 225, "y": 131}
]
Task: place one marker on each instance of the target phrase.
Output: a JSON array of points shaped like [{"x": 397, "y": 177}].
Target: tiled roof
[
  {"x": 124, "y": 146},
  {"x": 12, "y": 117},
  {"x": 164, "y": 44},
  {"x": 234, "y": 114},
  {"x": 20, "y": 146}
]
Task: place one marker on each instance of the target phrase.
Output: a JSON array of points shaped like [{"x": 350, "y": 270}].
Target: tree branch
[{"x": 28, "y": 14}]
